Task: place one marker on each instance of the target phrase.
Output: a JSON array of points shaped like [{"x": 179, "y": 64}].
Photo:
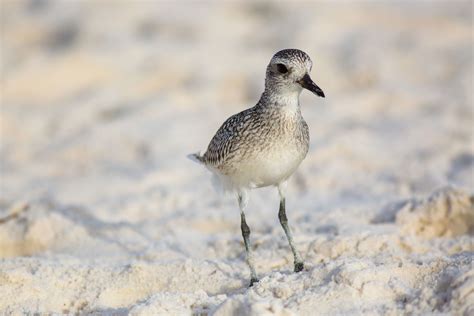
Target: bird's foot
[
  {"x": 299, "y": 266},
  {"x": 252, "y": 281}
]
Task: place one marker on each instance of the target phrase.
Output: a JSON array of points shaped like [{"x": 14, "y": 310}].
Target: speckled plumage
[
  {"x": 263, "y": 145},
  {"x": 265, "y": 131}
]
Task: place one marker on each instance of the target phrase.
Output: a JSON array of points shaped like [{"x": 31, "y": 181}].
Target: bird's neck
[{"x": 287, "y": 101}]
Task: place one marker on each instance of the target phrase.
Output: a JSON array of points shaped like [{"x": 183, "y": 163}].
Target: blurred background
[{"x": 101, "y": 101}]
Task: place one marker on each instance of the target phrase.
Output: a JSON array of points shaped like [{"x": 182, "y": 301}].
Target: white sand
[{"x": 101, "y": 212}]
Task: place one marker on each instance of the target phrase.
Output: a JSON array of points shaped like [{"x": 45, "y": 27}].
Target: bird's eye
[{"x": 282, "y": 68}]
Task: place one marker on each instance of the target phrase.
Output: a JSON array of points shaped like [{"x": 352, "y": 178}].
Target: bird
[{"x": 264, "y": 145}]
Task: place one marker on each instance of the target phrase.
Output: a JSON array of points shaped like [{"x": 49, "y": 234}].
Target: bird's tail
[{"x": 196, "y": 157}]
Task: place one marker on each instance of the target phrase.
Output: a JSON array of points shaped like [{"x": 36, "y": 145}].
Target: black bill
[{"x": 307, "y": 83}]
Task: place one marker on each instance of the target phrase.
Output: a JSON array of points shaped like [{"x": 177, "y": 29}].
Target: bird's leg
[
  {"x": 298, "y": 261},
  {"x": 243, "y": 200}
]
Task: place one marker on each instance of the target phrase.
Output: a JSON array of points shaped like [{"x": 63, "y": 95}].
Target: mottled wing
[{"x": 224, "y": 143}]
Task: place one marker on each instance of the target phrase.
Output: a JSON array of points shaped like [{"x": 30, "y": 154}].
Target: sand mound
[
  {"x": 448, "y": 212},
  {"x": 27, "y": 229}
]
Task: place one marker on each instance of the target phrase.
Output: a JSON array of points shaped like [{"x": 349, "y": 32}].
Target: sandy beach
[{"x": 101, "y": 212}]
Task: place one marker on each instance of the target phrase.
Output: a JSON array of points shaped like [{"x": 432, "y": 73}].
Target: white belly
[{"x": 267, "y": 168}]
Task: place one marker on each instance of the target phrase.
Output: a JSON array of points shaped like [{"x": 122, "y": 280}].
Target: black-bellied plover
[{"x": 263, "y": 145}]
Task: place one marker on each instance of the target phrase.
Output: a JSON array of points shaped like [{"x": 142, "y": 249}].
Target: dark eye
[{"x": 282, "y": 68}]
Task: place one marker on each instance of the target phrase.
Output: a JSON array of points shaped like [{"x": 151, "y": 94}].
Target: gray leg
[
  {"x": 243, "y": 200},
  {"x": 298, "y": 261}
]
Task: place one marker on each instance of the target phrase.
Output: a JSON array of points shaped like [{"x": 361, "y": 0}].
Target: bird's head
[{"x": 288, "y": 73}]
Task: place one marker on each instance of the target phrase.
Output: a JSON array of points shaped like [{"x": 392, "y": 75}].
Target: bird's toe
[
  {"x": 299, "y": 266},
  {"x": 252, "y": 281}
]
